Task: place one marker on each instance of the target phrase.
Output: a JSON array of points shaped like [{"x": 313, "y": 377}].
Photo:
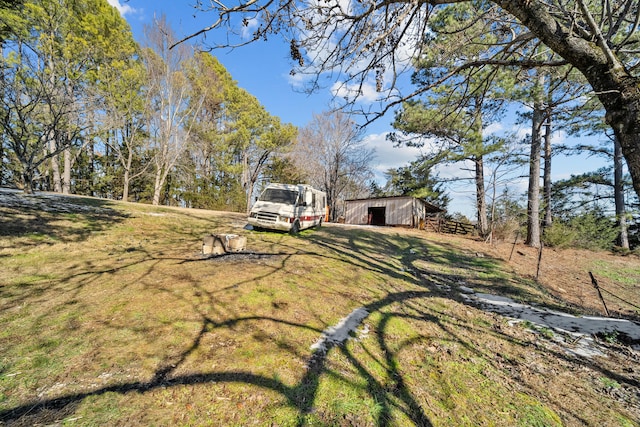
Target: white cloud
[
  {"x": 558, "y": 137},
  {"x": 463, "y": 169},
  {"x": 124, "y": 9},
  {"x": 298, "y": 80},
  {"x": 493, "y": 128},
  {"x": 388, "y": 156},
  {"x": 366, "y": 93},
  {"x": 522, "y": 133}
]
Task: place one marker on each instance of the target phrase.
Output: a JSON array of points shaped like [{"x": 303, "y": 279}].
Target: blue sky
[{"x": 262, "y": 68}]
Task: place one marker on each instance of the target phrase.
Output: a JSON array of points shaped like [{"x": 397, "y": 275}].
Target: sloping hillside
[{"x": 110, "y": 315}]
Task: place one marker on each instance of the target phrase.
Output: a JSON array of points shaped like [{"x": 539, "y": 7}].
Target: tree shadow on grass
[
  {"x": 54, "y": 218},
  {"x": 392, "y": 395},
  {"x": 370, "y": 250},
  {"x": 300, "y": 396}
]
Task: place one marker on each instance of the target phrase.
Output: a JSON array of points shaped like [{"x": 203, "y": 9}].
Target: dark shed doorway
[{"x": 376, "y": 216}]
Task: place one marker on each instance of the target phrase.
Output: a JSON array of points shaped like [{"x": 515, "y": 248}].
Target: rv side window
[
  {"x": 313, "y": 200},
  {"x": 277, "y": 195}
]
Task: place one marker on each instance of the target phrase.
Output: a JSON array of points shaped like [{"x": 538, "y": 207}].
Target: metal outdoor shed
[{"x": 402, "y": 211}]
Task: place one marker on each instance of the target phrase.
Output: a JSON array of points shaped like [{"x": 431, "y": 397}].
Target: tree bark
[
  {"x": 245, "y": 178},
  {"x": 27, "y": 178},
  {"x": 157, "y": 186},
  {"x": 618, "y": 188},
  {"x": 1, "y": 151},
  {"x": 548, "y": 215},
  {"x": 55, "y": 166},
  {"x": 533, "y": 193},
  {"x": 66, "y": 179},
  {"x": 2, "y": 131},
  {"x": 126, "y": 177},
  {"x": 483, "y": 227}
]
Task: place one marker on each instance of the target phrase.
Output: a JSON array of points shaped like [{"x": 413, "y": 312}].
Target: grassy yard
[{"x": 109, "y": 315}]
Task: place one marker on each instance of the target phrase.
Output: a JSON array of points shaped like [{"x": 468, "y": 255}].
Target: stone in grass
[{"x": 218, "y": 244}]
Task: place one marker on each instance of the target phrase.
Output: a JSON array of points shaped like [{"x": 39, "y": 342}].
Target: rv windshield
[{"x": 277, "y": 195}]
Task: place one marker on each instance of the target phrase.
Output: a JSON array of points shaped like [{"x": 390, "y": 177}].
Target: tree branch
[{"x": 599, "y": 37}]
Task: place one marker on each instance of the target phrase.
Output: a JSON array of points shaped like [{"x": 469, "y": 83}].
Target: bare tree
[
  {"x": 123, "y": 103},
  {"x": 171, "y": 105},
  {"x": 364, "y": 43},
  {"x": 331, "y": 151}
]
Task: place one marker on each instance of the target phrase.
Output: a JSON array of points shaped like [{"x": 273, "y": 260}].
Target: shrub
[
  {"x": 506, "y": 230},
  {"x": 594, "y": 231},
  {"x": 590, "y": 230},
  {"x": 559, "y": 235}
]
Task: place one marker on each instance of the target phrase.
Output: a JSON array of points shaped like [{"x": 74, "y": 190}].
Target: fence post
[
  {"x": 539, "y": 260},
  {"x": 514, "y": 244},
  {"x": 594, "y": 282}
]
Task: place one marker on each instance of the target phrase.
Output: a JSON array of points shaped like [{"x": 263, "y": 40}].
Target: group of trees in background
[
  {"x": 85, "y": 109},
  {"x": 471, "y": 59}
]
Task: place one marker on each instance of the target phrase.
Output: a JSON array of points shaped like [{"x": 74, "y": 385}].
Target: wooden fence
[{"x": 442, "y": 225}]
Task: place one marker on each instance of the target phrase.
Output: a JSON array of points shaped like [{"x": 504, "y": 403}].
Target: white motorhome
[{"x": 288, "y": 207}]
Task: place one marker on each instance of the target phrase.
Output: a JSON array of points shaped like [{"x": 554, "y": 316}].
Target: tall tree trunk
[
  {"x": 2, "y": 131},
  {"x": 126, "y": 177},
  {"x": 1, "y": 152},
  {"x": 55, "y": 166},
  {"x": 157, "y": 187},
  {"x": 481, "y": 202},
  {"x": 92, "y": 159},
  {"x": 481, "y": 196},
  {"x": 125, "y": 186},
  {"x": 27, "y": 178},
  {"x": 51, "y": 137},
  {"x": 331, "y": 185},
  {"x": 548, "y": 215},
  {"x": 626, "y": 126},
  {"x": 251, "y": 185},
  {"x": 163, "y": 164},
  {"x": 618, "y": 188},
  {"x": 66, "y": 180},
  {"x": 533, "y": 193},
  {"x": 328, "y": 188},
  {"x": 332, "y": 206}
]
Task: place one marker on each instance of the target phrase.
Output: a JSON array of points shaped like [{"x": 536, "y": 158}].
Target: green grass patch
[{"x": 616, "y": 273}]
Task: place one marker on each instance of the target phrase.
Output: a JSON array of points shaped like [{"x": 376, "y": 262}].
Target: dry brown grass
[
  {"x": 565, "y": 274},
  {"x": 109, "y": 315}
]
